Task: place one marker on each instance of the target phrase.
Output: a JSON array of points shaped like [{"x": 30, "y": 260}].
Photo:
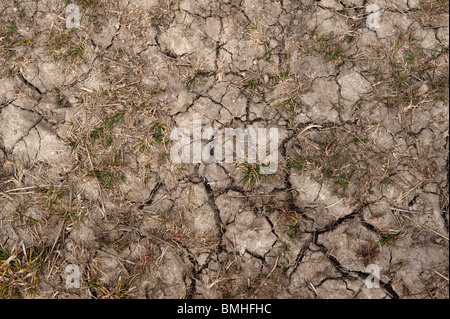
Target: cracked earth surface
[{"x": 86, "y": 176}]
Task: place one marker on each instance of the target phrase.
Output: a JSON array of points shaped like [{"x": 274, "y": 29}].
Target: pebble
[{"x": 273, "y": 43}]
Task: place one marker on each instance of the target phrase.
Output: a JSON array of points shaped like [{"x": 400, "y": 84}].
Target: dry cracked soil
[{"x": 89, "y": 195}]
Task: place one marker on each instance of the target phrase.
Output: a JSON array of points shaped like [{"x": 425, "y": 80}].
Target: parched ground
[{"x": 86, "y": 176}]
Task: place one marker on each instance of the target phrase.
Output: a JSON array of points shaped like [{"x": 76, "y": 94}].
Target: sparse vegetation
[
  {"x": 20, "y": 272},
  {"x": 251, "y": 85},
  {"x": 252, "y": 175},
  {"x": 64, "y": 46},
  {"x": 331, "y": 48},
  {"x": 86, "y": 174},
  {"x": 368, "y": 252},
  {"x": 339, "y": 160},
  {"x": 191, "y": 80}
]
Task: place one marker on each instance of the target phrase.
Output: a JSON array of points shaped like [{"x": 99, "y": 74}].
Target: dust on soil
[{"x": 86, "y": 176}]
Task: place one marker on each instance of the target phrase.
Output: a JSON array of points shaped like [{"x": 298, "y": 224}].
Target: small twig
[
  {"x": 20, "y": 189},
  {"x": 251, "y": 195},
  {"x": 107, "y": 105},
  {"x": 314, "y": 289},
  {"x": 264, "y": 281},
  {"x": 87, "y": 90},
  {"x": 309, "y": 127},
  {"x": 438, "y": 273},
  {"x": 112, "y": 255},
  {"x": 403, "y": 210},
  {"x": 228, "y": 239},
  {"x": 426, "y": 227},
  {"x": 22, "y": 193},
  {"x": 400, "y": 198},
  {"x": 331, "y": 205},
  {"x": 215, "y": 282},
  {"x": 6, "y": 196},
  {"x": 153, "y": 204},
  {"x": 118, "y": 63},
  {"x": 61, "y": 231},
  {"x": 161, "y": 240},
  {"x": 103, "y": 210}
]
